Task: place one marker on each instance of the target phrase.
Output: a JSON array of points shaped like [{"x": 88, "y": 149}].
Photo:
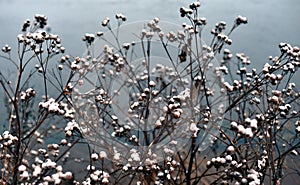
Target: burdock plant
[{"x": 152, "y": 103}]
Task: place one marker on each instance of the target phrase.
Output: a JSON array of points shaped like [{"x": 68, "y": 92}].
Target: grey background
[{"x": 270, "y": 21}]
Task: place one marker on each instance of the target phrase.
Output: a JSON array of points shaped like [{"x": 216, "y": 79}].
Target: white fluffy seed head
[
  {"x": 230, "y": 149},
  {"x": 22, "y": 168},
  {"x": 103, "y": 155}
]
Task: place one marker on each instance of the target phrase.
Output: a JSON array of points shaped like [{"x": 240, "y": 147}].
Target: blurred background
[{"x": 270, "y": 21}]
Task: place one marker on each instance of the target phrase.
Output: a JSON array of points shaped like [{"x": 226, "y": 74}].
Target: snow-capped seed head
[
  {"x": 89, "y": 38},
  {"x": 135, "y": 156},
  {"x": 158, "y": 124},
  {"x": 156, "y": 20},
  {"x": 230, "y": 149},
  {"x": 102, "y": 155},
  {"x": 24, "y": 175},
  {"x": 121, "y": 17},
  {"x": 176, "y": 113},
  {"x": 115, "y": 118},
  {"x": 94, "y": 156},
  {"x": 233, "y": 124},
  {"x": 294, "y": 152},
  {"x": 248, "y": 132},
  {"x": 105, "y": 181},
  {"x": 228, "y": 158},
  {"x": 298, "y": 129},
  {"x": 241, "y": 129},
  {"x": 68, "y": 176},
  {"x": 171, "y": 36},
  {"x": 105, "y": 22},
  {"x": 126, "y": 45},
  {"x": 181, "y": 35},
  {"x": 241, "y": 20},
  {"x": 60, "y": 67},
  {"x": 6, "y": 49},
  {"x": 152, "y": 83},
  {"x": 208, "y": 164},
  {"x": 90, "y": 168},
  {"x": 22, "y": 168},
  {"x": 244, "y": 180},
  {"x": 195, "y": 5},
  {"x": 100, "y": 33}
]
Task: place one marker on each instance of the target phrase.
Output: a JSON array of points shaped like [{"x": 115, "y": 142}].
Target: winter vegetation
[{"x": 162, "y": 108}]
